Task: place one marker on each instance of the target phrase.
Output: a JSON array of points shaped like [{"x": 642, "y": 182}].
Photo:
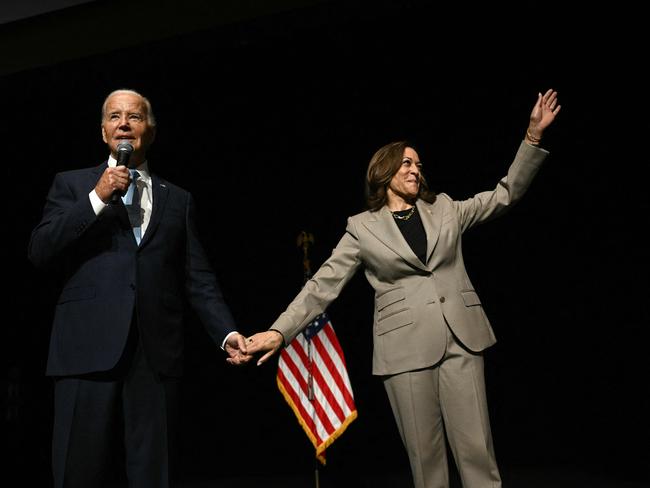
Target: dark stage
[{"x": 269, "y": 116}]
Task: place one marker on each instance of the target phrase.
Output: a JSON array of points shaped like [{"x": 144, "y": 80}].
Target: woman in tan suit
[{"x": 429, "y": 326}]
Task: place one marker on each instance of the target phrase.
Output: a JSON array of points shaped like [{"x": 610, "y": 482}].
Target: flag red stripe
[
  {"x": 330, "y": 396},
  {"x": 318, "y": 408},
  {"x": 306, "y": 418},
  {"x": 297, "y": 397},
  {"x": 302, "y": 354},
  {"x": 331, "y": 335},
  {"x": 343, "y": 387},
  {"x": 297, "y": 346},
  {"x": 343, "y": 393}
]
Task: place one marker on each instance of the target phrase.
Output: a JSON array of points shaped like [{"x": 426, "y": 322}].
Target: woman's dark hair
[{"x": 383, "y": 166}]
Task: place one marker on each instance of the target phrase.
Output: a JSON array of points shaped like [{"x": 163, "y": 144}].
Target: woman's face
[{"x": 406, "y": 182}]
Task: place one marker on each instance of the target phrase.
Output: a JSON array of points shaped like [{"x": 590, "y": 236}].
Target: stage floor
[{"x": 512, "y": 478}]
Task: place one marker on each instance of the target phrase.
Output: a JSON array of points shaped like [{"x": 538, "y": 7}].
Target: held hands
[
  {"x": 241, "y": 350},
  {"x": 269, "y": 341},
  {"x": 236, "y": 349},
  {"x": 542, "y": 115}
]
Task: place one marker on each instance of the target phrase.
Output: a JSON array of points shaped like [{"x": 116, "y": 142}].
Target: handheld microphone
[{"x": 124, "y": 150}]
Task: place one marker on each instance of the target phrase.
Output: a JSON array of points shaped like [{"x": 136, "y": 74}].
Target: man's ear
[{"x": 104, "y": 134}]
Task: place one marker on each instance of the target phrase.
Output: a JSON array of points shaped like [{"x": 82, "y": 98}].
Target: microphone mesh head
[{"x": 125, "y": 147}]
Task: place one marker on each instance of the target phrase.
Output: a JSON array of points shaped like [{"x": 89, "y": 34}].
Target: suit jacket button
[
  {"x": 132, "y": 286},
  {"x": 442, "y": 299}
]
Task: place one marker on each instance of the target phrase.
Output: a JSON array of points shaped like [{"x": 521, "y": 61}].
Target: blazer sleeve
[
  {"x": 323, "y": 288},
  {"x": 202, "y": 287},
  {"x": 509, "y": 190},
  {"x": 66, "y": 217}
]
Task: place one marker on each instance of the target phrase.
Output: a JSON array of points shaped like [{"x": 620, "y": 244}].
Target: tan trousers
[{"x": 446, "y": 398}]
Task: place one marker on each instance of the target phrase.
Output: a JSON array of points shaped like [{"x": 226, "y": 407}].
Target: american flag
[{"x": 314, "y": 381}]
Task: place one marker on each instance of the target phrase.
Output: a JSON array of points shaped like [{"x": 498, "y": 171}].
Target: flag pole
[{"x": 305, "y": 240}]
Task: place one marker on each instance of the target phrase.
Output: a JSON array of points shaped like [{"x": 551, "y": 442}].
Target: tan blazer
[{"x": 413, "y": 300}]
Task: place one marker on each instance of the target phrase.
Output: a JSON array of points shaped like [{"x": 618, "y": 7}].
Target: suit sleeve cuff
[
  {"x": 225, "y": 339},
  {"x": 96, "y": 202}
]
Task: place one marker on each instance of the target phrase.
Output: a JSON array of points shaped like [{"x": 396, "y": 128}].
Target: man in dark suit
[{"x": 117, "y": 339}]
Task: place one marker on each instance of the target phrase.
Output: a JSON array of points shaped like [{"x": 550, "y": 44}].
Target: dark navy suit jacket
[{"x": 107, "y": 277}]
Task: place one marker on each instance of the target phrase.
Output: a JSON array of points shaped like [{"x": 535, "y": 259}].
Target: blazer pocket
[
  {"x": 392, "y": 311},
  {"x": 75, "y": 293},
  {"x": 390, "y": 297},
  {"x": 470, "y": 297},
  {"x": 400, "y": 318}
]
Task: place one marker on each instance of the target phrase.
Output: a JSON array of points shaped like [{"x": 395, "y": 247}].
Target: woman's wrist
[{"x": 531, "y": 138}]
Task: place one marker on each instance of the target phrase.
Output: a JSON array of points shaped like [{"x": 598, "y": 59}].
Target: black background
[{"x": 271, "y": 120}]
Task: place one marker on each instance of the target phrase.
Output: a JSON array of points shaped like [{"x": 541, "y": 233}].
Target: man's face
[{"x": 126, "y": 119}]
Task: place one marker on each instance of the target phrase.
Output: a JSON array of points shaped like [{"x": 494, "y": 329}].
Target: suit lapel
[
  {"x": 96, "y": 173},
  {"x": 431, "y": 217},
  {"x": 160, "y": 194},
  {"x": 382, "y": 225}
]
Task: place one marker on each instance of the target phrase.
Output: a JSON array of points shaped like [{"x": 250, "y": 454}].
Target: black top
[{"x": 413, "y": 231}]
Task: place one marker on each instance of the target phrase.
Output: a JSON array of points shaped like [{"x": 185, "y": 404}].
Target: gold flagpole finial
[{"x": 305, "y": 240}]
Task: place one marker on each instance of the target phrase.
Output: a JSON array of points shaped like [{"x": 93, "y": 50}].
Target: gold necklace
[{"x": 405, "y": 216}]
